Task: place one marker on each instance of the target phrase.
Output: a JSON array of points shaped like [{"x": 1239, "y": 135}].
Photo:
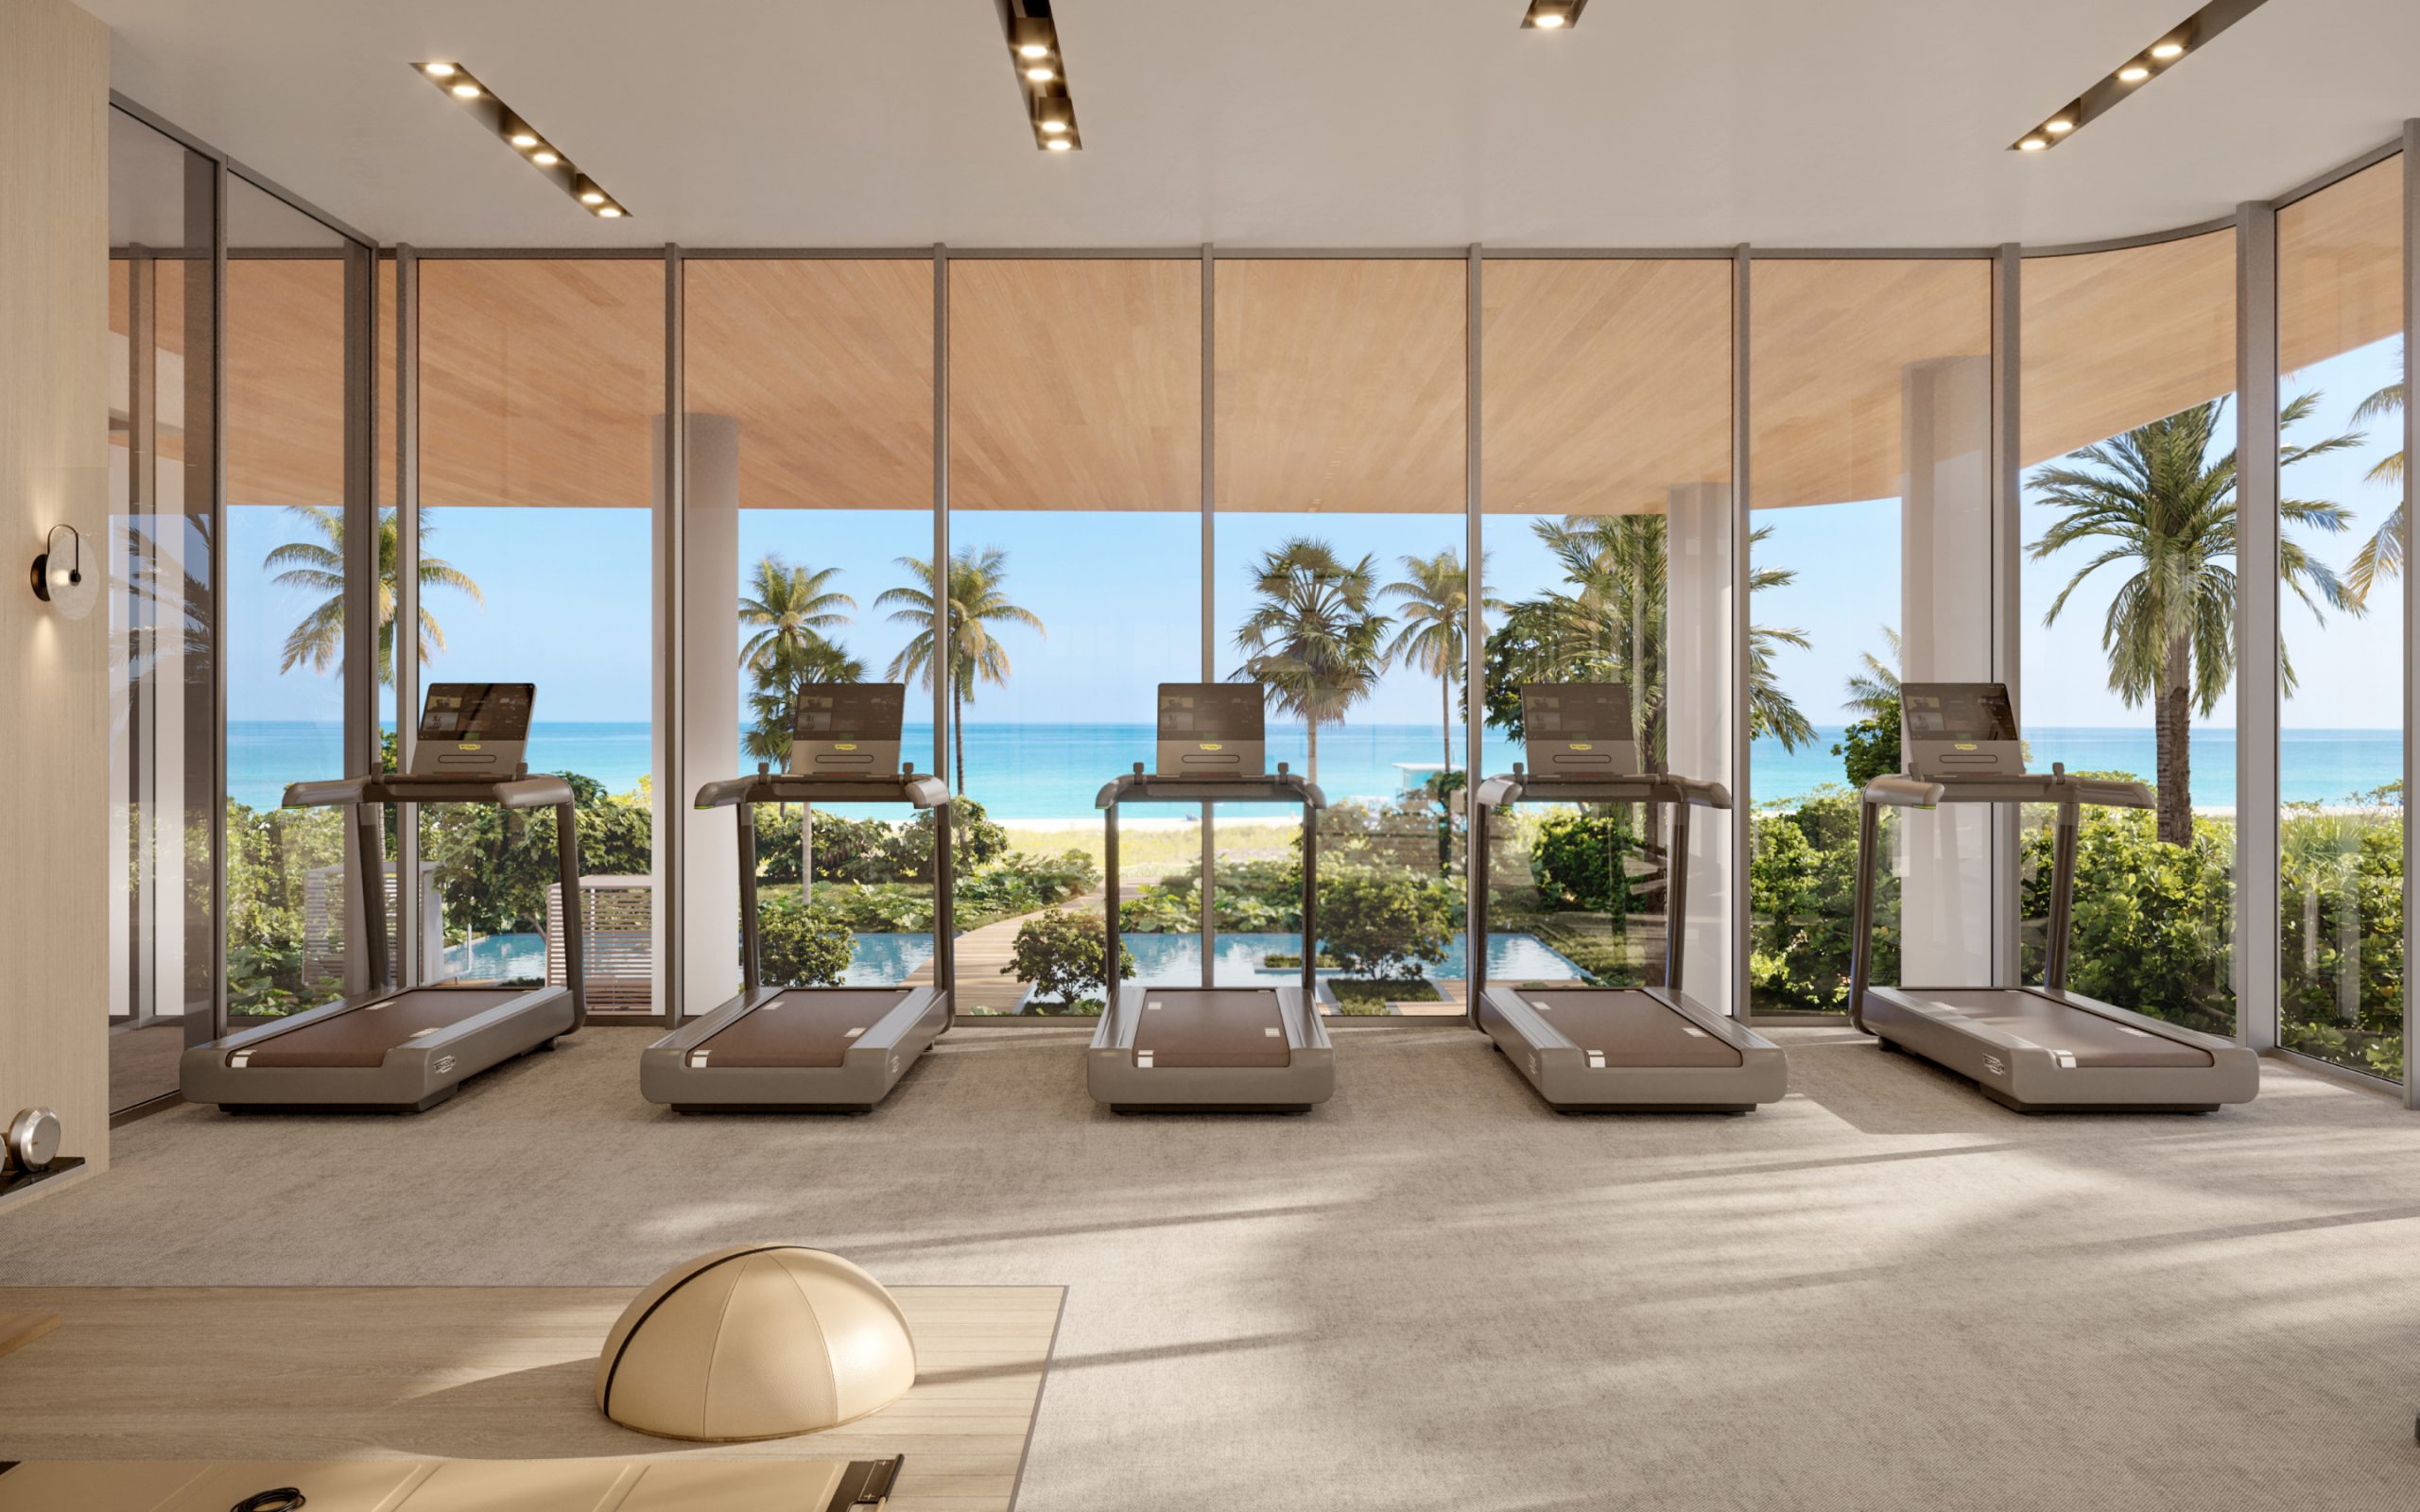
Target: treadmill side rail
[
  {"x": 1570, "y": 1077},
  {"x": 871, "y": 1065},
  {"x": 2028, "y": 1076}
]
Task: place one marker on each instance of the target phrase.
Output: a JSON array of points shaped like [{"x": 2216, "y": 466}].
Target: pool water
[{"x": 877, "y": 960}]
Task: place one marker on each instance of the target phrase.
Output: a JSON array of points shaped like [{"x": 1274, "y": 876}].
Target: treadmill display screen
[
  {"x": 1211, "y": 711},
  {"x": 850, "y": 710},
  {"x": 473, "y": 713},
  {"x": 1957, "y": 710},
  {"x": 1576, "y": 710}
]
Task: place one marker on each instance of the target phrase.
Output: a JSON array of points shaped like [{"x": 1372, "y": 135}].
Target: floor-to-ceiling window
[
  {"x": 162, "y": 739},
  {"x": 1870, "y": 409},
  {"x": 809, "y": 508},
  {"x": 289, "y": 579},
  {"x": 1605, "y": 474},
  {"x": 1075, "y": 494},
  {"x": 1340, "y": 584},
  {"x": 2339, "y": 747},
  {"x": 2127, "y": 607},
  {"x": 541, "y": 384}
]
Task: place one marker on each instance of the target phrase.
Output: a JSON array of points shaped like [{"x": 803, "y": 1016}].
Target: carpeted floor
[{"x": 1885, "y": 1293}]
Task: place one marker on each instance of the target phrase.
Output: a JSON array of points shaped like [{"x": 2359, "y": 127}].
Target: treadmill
[
  {"x": 1611, "y": 1049},
  {"x": 406, "y": 1051},
  {"x": 2035, "y": 1049},
  {"x": 780, "y": 1049},
  {"x": 1212, "y": 1049}
]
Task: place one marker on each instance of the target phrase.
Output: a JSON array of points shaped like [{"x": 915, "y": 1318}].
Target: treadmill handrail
[
  {"x": 536, "y": 790},
  {"x": 1631, "y": 788},
  {"x": 2020, "y": 787},
  {"x": 1157, "y": 788},
  {"x": 924, "y": 792}
]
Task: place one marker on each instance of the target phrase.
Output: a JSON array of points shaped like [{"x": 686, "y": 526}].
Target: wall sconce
[{"x": 61, "y": 577}]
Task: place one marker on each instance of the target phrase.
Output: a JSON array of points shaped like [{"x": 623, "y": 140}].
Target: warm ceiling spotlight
[
  {"x": 609, "y": 211},
  {"x": 511, "y": 127},
  {"x": 2121, "y": 83},
  {"x": 1552, "y": 15},
  {"x": 1040, "y": 66}
]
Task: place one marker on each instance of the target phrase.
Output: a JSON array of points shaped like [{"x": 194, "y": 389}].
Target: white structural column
[
  {"x": 1946, "y": 629},
  {"x": 710, "y": 707},
  {"x": 1699, "y": 707},
  {"x": 2411, "y": 599}
]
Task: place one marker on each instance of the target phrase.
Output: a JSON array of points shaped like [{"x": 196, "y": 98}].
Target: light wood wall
[{"x": 54, "y": 469}]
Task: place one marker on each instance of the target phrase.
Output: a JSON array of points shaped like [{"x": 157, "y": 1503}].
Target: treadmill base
[
  {"x": 1130, "y": 1109},
  {"x": 420, "y": 1106},
  {"x": 1733, "y": 1112},
  {"x": 2014, "y": 1105},
  {"x": 846, "y": 1109}
]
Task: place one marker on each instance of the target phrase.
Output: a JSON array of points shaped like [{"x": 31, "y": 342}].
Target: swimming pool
[{"x": 876, "y": 960}]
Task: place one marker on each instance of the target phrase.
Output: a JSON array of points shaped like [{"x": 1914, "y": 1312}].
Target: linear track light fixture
[
  {"x": 2173, "y": 46},
  {"x": 1553, "y": 15},
  {"x": 1041, "y": 73},
  {"x": 521, "y": 137}
]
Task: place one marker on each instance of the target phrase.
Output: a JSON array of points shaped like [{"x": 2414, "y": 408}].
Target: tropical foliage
[
  {"x": 953, "y": 624},
  {"x": 1314, "y": 638},
  {"x": 787, "y": 612},
  {"x": 1064, "y": 958},
  {"x": 316, "y": 564}
]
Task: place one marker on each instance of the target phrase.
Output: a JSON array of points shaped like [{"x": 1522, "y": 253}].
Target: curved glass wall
[
  {"x": 1605, "y": 396},
  {"x": 2340, "y": 741},
  {"x": 2126, "y": 591},
  {"x": 1869, "y": 425}
]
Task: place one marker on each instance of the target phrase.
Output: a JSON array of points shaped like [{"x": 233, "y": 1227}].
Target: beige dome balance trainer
[{"x": 756, "y": 1341}]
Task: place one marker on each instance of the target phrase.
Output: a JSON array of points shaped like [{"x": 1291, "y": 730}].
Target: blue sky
[{"x": 567, "y": 596}]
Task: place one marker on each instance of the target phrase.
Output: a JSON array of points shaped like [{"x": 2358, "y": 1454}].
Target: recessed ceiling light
[
  {"x": 1042, "y": 73},
  {"x": 1033, "y": 50},
  {"x": 1036, "y": 53},
  {"x": 511, "y": 127},
  {"x": 2166, "y": 52},
  {"x": 1060, "y": 144},
  {"x": 609, "y": 211},
  {"x": 1552, "y": 15},
  {"x": 1054, "y": 127},
  {"x": 1549, "y": 20}
]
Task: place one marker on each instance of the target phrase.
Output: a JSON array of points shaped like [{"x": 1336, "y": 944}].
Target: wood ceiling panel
[
  {"x": 1829, "y": 344},
  {"x": 1075, "y": 384},
  {"x": 2340, "y": 267},
  {"x": 540, "y": 382},
  {"x": 1605, "y": 384},
  {"x": 1341, "y": 384},
  {"x": 2112, "y": 340},
  {"x": 828, "y": 367},
  {"x": 285, "y": 393}
]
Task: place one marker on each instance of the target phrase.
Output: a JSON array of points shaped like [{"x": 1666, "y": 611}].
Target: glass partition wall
[
  {"x": 2340, "y": 737},
  {"x": 2129, "y": 591}
]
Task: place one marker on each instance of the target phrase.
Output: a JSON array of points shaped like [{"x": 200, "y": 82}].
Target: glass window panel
[
  {"x": 810, "y": 480},
  {"x": 1341, "y": 539},
  {"x": 1871, "y": 417},
  {"x": 288, "y": 897},
  {"x": 162, "y": 765},
  {"x": 2129, "y": 362},
  {"x": 1607, "y": 479},
  {"x": 2340, "y": 767},
  {"x": 1076, "y": 521},
  {"x": 541, "y": 385}
]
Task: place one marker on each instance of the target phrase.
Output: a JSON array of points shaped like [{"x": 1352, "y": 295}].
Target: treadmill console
[
  {"x": 1211, "y": 730},
  {"x": 847, "y": 728},
  {"x": 474, "y": 730},
  {"x": 1959, "y": 729},
  {"x": 1579, "y": 730}
]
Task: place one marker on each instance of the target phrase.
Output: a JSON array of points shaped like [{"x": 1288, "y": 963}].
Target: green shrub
[
  {"x": 1384, "y": 922},
  {"x": 801, "y": 946},
  {"x": 2154, "y": 924},
  {"x": 1063, "y": 956},
  {"x": 1577, "y": 857},
  {"x": 1870, "y": 748},
  {"x": 1802, "y": 880}
]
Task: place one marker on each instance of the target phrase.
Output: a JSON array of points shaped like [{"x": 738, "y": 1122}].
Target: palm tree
[
  {"x": 773, "y": 700},
  {"x": 2383, "y": 554},
  {"x": 790, "y": 610},
  {"x": 1314, "y": 641},
  {"x": 1875, "y": 691},
  {"x": 1435, "y": 596},
  {"x": 2160, "y": 505},
  {"x": 976, "y": 603},
  {"x": 317, "y": 640}
]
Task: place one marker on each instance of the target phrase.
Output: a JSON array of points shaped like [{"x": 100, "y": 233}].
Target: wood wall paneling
[
  {"x": 2340, "y": 269},
  {"x": 54, "y": 469}
]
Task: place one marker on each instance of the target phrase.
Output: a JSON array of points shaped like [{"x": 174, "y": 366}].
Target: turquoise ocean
[{"x": 1052, "y": 771}]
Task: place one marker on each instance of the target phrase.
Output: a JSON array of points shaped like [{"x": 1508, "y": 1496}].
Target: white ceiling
[{"x": 1275, "y": 123}]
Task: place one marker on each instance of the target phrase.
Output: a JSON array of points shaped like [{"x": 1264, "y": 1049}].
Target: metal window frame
[
  {"x": 2257, "y": 690},
  {"x": 2410, "y": 148},
  {"x": 407, "y": 840}
]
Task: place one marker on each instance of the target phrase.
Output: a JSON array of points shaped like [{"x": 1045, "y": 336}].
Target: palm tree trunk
[
  {"x": 958, "y": 732},
  {"x": 2173, "y": 732},
  {"x": 1314, "y": 775},
  {"x": 1445, "y": 811}
]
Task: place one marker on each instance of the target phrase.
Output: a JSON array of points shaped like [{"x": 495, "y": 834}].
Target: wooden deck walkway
[{"x": 982, "y": 986}]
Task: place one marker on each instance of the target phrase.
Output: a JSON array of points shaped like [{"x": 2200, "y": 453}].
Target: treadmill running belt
[
  {"x": 1210, "y": 1026},
  {"x": 2036, "y": 1018},
  {"x": 803, "y": 1026},
  {"x": 362, "y": 1036},
  {"x": 1629, "y": 1028}
]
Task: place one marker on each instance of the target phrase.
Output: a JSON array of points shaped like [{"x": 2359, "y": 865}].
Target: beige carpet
[{"x": 1884, "y": 1293}]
